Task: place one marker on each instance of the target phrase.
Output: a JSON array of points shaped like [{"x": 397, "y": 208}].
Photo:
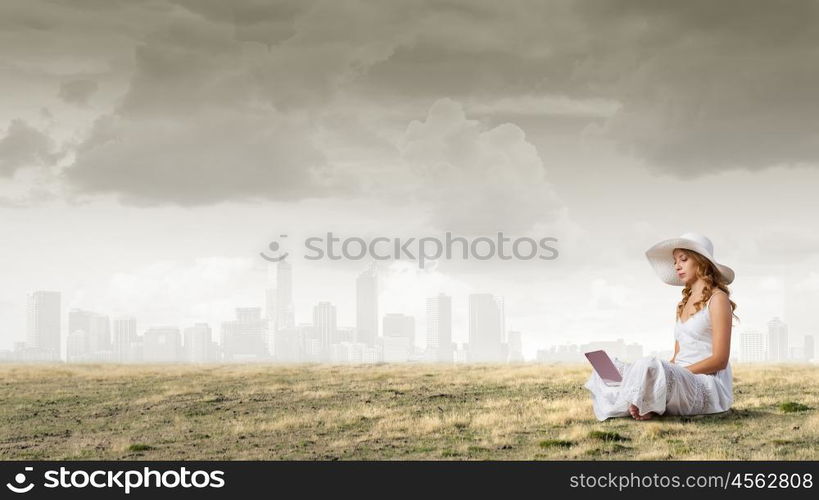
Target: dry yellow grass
[{"x": 392, "y": 412}]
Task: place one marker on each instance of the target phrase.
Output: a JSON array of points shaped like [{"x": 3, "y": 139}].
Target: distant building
[
  {"x": 44, "y": 325},
  {"x": 270, "y": 317},
  {"x": 399, "y": 337},
  {"x": 515, "y": 347},
  {"x": 245, "y": 338},
  {"x": 486, "y": 323},
  {"x": 439, "y": 328},
  {"x": 136, "y": 350},
  {"x": 366, "y": 286},
  {"x": 297, "y": 344},
  {"x": 313, "y": 351},
  {"x": 372, "y": 354},
  {"x": 345, "y": 334},
  {"x": 324, "y": 322},
  {"x": 461, "y": 354},
  {"x": 615, "y": 349},
  {"x": 353, "y": 352},
  {"x": 89, "y": 337},
  {"x": 809, "y": 349},
  {"x": 753, "y": 347},
  {"x": 124, "y": 337},
  {"x": 198, "y": 345},
  {"x": 288, "y": 345},
  {"x": 778, "y": 351},
  {"x": 285, "y": 311},
  {"x": 77, "y": 347},
  {"x": 634, "y": 352},
  {"x": 571, "y": 353},
  {"x": 162, "y": 345},
  {"x": 567, "y": 353}
]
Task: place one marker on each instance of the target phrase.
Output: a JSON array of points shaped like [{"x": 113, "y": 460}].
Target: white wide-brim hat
[{"x": 661, "y": 257}]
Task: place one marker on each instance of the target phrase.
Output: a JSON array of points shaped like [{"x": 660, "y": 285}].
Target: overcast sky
[{"x": 149, "y": 150}]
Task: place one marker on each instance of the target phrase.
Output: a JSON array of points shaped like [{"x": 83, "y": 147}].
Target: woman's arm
[
  {"x": 676, "y": 350},
  {"x": 720, "y": 311}
]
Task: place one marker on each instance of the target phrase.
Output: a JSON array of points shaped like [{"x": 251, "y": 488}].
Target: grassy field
[{"x": 382, "y": 412}]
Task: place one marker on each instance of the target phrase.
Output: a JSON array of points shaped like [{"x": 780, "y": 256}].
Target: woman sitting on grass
[{"x": 698, "y": 378}]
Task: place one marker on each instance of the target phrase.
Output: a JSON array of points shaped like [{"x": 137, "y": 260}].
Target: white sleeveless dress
[{"x": 657, "y": 385}]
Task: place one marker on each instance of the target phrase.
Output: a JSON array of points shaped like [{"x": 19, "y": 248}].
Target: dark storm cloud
[
  {"x": 78, "y": 91},
  {"x": 224, "y": 157},
  {"x": 704, "y": 86},
  {"x": 708, "y": 86},
  {"x": 258, "y": 21},
  {"x": 192, "y": 128},
  {"x": 209, "y": 116},
  {"x": 24, "y": 146},
  {"x": 698, "y": 86}
]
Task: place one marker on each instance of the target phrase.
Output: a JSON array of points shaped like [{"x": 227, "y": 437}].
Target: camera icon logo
[{"x": 20, "y": 479}]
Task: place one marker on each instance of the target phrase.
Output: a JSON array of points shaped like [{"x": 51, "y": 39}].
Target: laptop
[{"x": 604, "y": 366}]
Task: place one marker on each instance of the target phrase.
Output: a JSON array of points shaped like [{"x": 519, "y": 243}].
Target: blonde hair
[{"x": 707, "y": 272}]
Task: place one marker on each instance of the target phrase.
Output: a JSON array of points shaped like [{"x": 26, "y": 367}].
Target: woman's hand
[{"x": 708, "y": 366}]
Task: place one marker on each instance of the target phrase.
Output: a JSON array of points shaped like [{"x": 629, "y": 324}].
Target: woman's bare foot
[{"x": 635, "y": 413}]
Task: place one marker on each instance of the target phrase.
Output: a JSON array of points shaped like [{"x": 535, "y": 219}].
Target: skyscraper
[
  {"x": 44, "y": 324},
  {"x": 753, "y": 347},
  {"x": 439, "y": 328},
  {"x": 777, "y": 341},
  {"x": 367, "y": 306},
  {"x": 486, "y": 324},
  {"x": 324, "y": 322},
  {"x": 124, "y": 336}
]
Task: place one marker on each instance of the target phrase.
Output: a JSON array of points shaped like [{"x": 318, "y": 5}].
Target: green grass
[
  {"x": 792, "y": 406},
  {"x": 382, "y": 412},
  {"x": 556, "y": 443},
  {"x": 607, "y": 436}
]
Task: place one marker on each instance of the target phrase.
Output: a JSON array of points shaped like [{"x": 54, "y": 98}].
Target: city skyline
[
  {"x": 271, "y": 332},
  {"x": 147, "y": 162}
]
